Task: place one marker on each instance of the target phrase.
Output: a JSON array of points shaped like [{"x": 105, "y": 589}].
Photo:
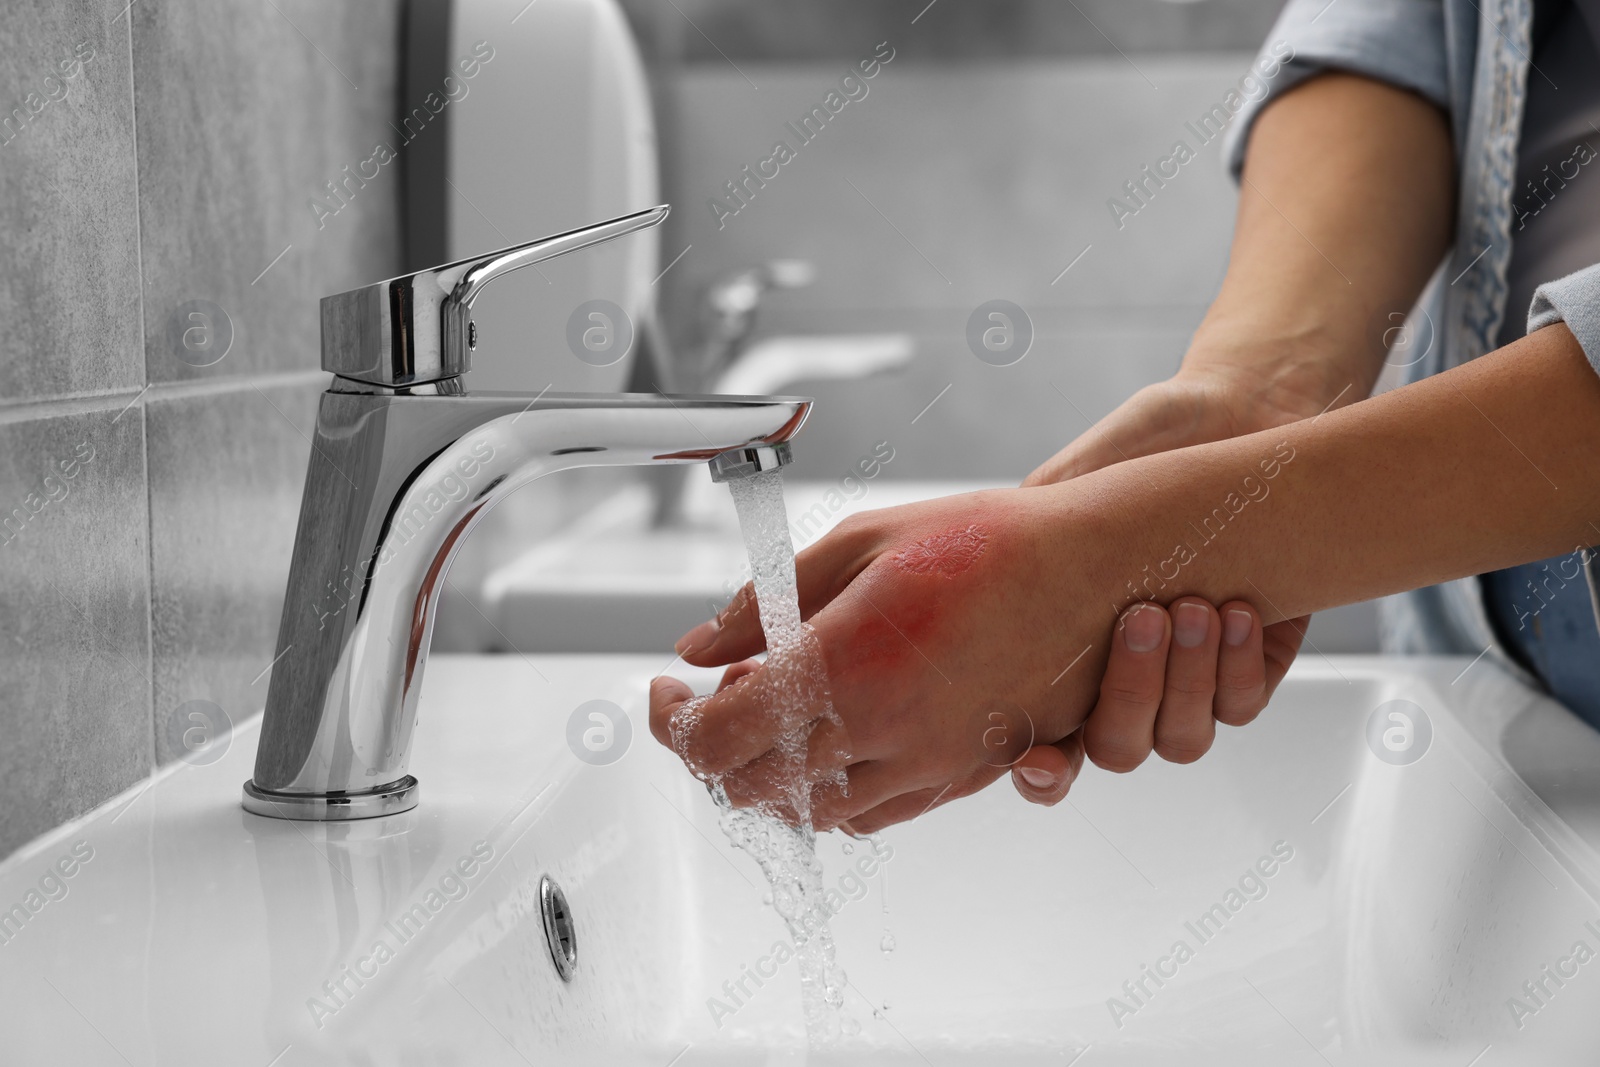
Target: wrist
[
  {"x": 1191, "y": 522},
  {"x": 1111, "y": 523},
  {"x": 1296, "y": 369}
]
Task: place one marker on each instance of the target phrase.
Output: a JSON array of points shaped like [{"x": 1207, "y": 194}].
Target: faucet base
[{"x": 390, "y": 799}]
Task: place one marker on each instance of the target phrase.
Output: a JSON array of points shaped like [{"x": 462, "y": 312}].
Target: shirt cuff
[
  {"x": 1574, "y": 300},
  {"x": 1400, "y": 42}
]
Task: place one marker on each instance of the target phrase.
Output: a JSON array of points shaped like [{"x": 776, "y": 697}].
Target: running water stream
[{"x": 797, "y": 697}]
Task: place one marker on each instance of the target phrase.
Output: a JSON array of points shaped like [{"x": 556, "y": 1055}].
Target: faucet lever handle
[{"x": 414, "y": 329}]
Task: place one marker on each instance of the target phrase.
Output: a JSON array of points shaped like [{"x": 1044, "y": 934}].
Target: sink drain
[{"x": 559, "y": 933}]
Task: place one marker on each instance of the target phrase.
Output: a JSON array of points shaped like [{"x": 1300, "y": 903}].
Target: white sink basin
[
  {"x": 612, "y": 584},
  {"x": 1417, "y": 901}
]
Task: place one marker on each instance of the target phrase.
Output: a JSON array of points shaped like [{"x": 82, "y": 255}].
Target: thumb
[
  {"x": 1091, "y": 451},
  {"x": 1044, "y": 773},
  {"x": 737, "y": 626},
  {"x": 821, "y": 574}
]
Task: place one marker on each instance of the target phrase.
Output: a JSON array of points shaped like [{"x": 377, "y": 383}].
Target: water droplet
[
  {"x": 887, "y": 944},
  {"x": 848, "y": 848}
]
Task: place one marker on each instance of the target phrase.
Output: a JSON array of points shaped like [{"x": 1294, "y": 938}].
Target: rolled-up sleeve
[
  {"x": 1574, "y": 300},
  {"x": 1401, "y": 42}
]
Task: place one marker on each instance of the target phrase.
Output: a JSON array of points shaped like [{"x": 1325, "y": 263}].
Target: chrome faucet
[{"x": 405, "y": 461}]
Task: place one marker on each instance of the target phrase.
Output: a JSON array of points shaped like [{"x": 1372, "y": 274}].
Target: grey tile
[
  {"x": 69, "y": 285},
  {"x": 74, "y": 648},
  {"x": 916, "y": 198},
  {"x": 244, "y": 112},
  {"x": 715, "y": 31},
  {"x": 226, "y": 470}
]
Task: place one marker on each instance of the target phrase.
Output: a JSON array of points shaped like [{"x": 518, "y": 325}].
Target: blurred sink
[
  {"x": 613, "y": 584},
  {"x": 1337, "y": 907}
]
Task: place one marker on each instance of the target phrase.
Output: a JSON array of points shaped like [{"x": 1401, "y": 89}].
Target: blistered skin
[
  {"x": 944, "y": 555},
  {"x": 905, "y": 612}
]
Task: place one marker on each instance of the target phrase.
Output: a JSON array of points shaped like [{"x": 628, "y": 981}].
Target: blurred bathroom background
[{"x": 177, "y": 173}]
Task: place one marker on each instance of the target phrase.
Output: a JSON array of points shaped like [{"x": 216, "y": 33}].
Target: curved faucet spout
[{"x": 395, "y": 484}]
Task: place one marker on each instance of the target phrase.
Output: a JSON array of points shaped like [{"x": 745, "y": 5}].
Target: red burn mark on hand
[{"x": 945, "y": 554}]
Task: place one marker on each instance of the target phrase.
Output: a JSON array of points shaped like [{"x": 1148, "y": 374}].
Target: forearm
[
  {"x": 1345, "y": 208},
  {"x": 1479, "y": 468}
]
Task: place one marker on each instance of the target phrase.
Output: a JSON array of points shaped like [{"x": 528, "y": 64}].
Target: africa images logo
[
  {"x": 599, "y": 732},
  {"x": 1399, "y": 732}
]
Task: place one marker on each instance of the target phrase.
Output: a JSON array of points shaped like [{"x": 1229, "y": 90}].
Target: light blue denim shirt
[{"x": 1471, "y": 58}]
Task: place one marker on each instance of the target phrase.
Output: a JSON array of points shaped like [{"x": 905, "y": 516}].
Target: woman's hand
[
  {"x": 1212, "y": 399},
  {"x": 1172, "y": 674},
  {"x": 1174, "y": 671},
  {"x": 1324, "y": 245}
]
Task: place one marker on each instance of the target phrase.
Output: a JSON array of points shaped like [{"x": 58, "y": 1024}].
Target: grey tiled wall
[
  {"x": 720, "y": 31},
  {"x": 175, "y": 165},
  {"x": 943, "y": 188}
]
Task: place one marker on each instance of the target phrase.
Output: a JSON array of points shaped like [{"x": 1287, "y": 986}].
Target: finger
[
  {"x": 1091, "y": 451},
  {"x": 1241, "y": 666},
  {"x": 1120, "y": 731},
  {"x": 868, "y": 785},
  {"x": 737, "y": 671},
  {"x": 821, "y": 572},
  {"x": 1152, "y": 420},
  {"x": 1185, "y": 727},
  {"x": 1280, "y": 643},
  {"x": 773, "y": 775},
  {"x": 908, "y": 807},
  {"x": 904, "y": 808},
  {"x": 780, "y": 807},
  {"x": 667, "y": 695},
  {"x": 741, "y": 722},
  {"x": 1044, "y": 773},
  {"x": 738, "y": 616}
]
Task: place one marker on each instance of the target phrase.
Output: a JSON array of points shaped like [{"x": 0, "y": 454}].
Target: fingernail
[
  {"x": 1236, "y": 627},
  {"x": 1143, "y": 628},
  {"x": 698, "y": 639},
  {"x": 1035, "y": 777},
  {"x": 1190, "y": 623}
]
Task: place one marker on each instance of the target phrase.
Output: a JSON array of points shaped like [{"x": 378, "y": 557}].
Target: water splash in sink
[{"x": 799, "y": 698}]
